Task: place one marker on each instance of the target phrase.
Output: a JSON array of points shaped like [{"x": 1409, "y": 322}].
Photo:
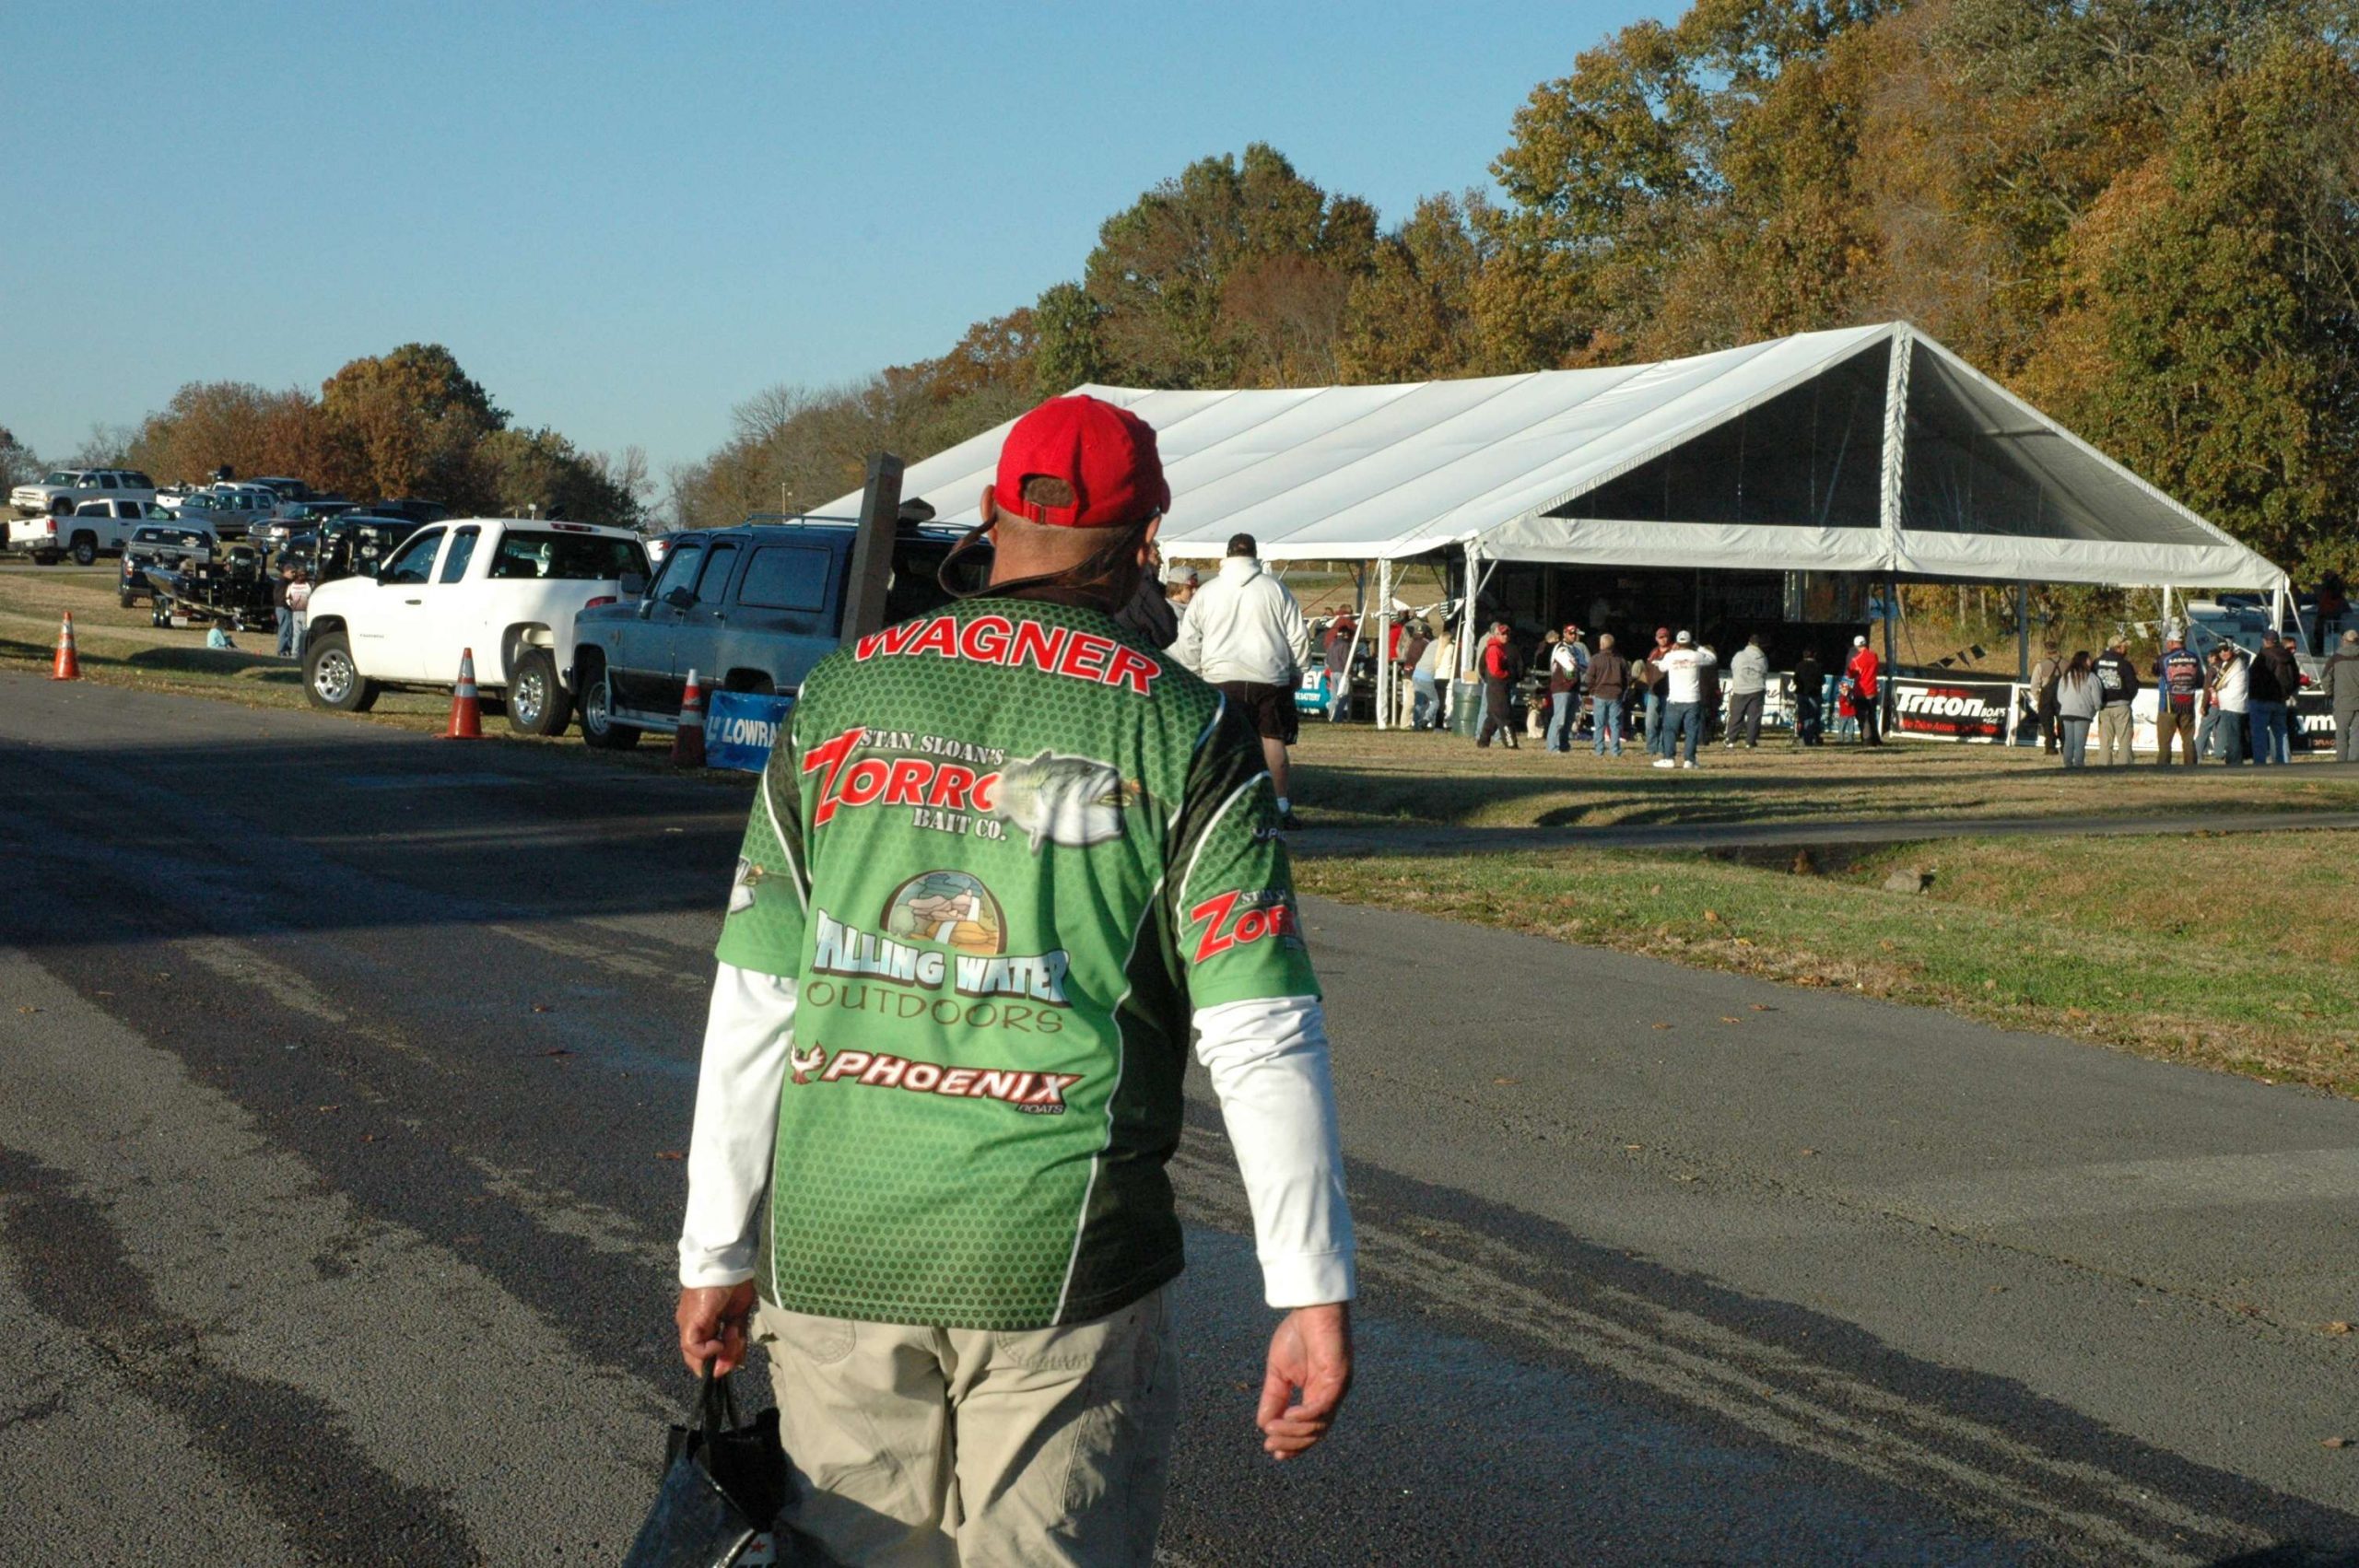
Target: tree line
[
  {"x": 407, "y": 423},
  {"x": 2141, "y": 215}
]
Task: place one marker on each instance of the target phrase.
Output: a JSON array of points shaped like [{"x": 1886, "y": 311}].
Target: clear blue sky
[{"x": 625, "y": 217}]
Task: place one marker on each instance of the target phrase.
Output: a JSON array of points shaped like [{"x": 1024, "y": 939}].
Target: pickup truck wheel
[
  {"x": 126, "y": 600},
  {"x": 598, "y": 726},
  {"x": 85, "y": 550},
  {"x": 46, "y": 557},
  {"x": 331, "y": 680},
  {"x": 537, "y": 705}
]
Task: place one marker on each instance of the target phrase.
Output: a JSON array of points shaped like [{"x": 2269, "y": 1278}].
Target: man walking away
[
  {"x": 2179, "y": 693},
  {"x": 2043, "y": 694},
  {"x": 1565, "y": 665},
  {"x": 1609, "y": 682},
  {"x": 1810, "y": 710},
  {"x": 2231, "y": 694},
  {"x": 1682, "y": 675},
  {"x": 1748, "y": 693},
  {"x": 969, "y": 1233},
  {"x": 2343, "y": 697},
  {"x": 2276, "y": 681},
  {"x": 1498, "y": 672},
  {"x": 2118, "y": 684},
  {"x": 1245, "y": 634},
  {"x": 1867, "y": 696}
]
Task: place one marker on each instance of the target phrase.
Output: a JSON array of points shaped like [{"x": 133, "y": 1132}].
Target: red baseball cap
[{"x": 1106, "y": 453}]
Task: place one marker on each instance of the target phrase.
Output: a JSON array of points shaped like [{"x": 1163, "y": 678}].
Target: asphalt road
[{"x": 343, "y": 1074}]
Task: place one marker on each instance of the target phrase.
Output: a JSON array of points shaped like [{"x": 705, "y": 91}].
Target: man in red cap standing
[{"x": 1006, "y": 861}]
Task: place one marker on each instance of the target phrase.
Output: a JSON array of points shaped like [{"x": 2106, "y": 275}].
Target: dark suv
[{"x": 749, "y": 609}]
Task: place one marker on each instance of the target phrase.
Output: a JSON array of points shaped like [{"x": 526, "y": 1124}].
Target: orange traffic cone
[
  {"x": 67, "y": 667},
  {"x": 467, "y": 710},
  {"x": 687, "y": 740}
]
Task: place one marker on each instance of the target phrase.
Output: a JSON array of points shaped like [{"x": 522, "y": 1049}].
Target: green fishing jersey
[{"x": 1005, "y": 850}]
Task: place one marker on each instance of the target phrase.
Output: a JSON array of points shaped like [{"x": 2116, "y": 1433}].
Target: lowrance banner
[
  {"x": 1952, "y": 711},
  {"x": 741, "y": 727}
]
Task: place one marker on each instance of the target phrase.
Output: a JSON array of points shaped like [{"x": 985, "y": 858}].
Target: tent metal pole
[
  {"x": 1473, "y": 591},
  {"x": 1895, "y": 445},
  {"x": 1385, "y": 675},
  {"x": 2023, "y": 632},
  {"x": 1352, "y": 653},
  {"x": 1891, "y": 618}
]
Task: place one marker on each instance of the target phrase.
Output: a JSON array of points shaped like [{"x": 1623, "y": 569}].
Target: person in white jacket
[{"x": 1245, "y": 634}]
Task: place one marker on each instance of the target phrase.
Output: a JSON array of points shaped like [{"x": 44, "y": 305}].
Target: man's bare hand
[
  {"x": 1310, "y": 1355},
  {"x": 712, "y": 1326}
]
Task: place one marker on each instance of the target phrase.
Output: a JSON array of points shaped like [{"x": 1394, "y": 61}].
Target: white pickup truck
[
  {"x": 504, "y": 588},
  {"x": 89, "y": 531}
]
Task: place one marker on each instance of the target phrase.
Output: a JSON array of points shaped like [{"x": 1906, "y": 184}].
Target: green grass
[
  {"x": 2233, "y": 953},
  {"x": 1353, "y": 777}
]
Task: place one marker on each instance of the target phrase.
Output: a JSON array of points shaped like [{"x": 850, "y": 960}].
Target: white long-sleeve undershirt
[{"x": 1269, "y": 1067}]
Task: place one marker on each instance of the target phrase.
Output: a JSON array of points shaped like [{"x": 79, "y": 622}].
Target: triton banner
[{"x": 1952, "y": 711}]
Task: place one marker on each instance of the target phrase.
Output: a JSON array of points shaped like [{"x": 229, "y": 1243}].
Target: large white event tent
[{"x": 1868, "y": 450}]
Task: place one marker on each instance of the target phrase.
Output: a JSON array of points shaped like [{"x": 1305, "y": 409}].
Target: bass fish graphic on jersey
[{"x": 1070, "y": 801}]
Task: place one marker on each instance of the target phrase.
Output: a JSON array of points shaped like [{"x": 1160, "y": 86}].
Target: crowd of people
[
  {"x": 2227, "y": 704},
  {"x": 1243, "y": 630},
  {"x": 1673, "y": 695}
]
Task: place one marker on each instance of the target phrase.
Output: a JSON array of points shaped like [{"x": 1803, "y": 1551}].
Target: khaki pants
[
  {"x": 2115, "y": 728},
  {"x": 960, "y": 1448},
  {"x": 2173, "y": 723}
]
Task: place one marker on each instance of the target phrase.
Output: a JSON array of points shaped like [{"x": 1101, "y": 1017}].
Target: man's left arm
[
  {"x": 1261, "y": 1034},
  {"x": 748, "y": 1035}
]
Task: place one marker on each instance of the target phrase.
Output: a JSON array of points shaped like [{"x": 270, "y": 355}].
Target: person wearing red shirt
[
  {"x": 1862, "y": 670},
  {"x": 1498, "y": 674}
]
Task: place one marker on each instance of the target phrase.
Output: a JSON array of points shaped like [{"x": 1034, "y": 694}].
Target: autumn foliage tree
[
  {"x": 407, "y": 423},
  {"x": 2142, "y": 214}
]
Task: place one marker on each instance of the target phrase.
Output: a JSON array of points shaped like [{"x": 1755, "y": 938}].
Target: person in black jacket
[
  {"x": 2276, "y": 680},
  {"x": 2118, "y": 681},
  {"x": 1809, "y": 717}
]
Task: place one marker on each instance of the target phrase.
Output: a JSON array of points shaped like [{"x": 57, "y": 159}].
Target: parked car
[
  {"x": 750, "y": 608},
  {"x": 411, "y": 508},
  {"x": 64, "y": 489},
  {"x": 287, "y": 489},
  {"x": 230, "y": 510},
  {"x": 293, "y": 518},
  {"x": 162, "y": 546},
  {"x": 505, "y": 588},
  {"x": 92, "y": 530}
]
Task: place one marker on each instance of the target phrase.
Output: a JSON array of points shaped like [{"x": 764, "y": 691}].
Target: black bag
[{"x": 723, "y": 1484}]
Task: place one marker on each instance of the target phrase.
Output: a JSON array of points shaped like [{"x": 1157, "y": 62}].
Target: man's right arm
[{"x": 1298, "y": 630}]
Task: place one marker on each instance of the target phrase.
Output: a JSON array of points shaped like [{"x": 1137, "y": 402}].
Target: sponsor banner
[
  {"x": 2313, "y": 716},
  {"x": 741, "y": 727},
  {"x": 1952, "y": 711}
]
